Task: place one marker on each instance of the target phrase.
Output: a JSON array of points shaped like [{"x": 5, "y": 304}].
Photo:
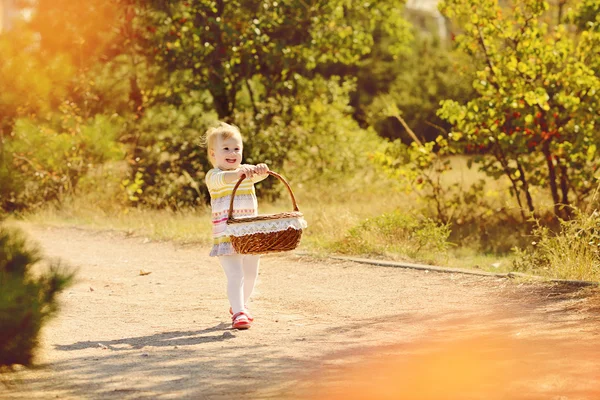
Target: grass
[
  {"x": 181, "y": 226},
  {"x": 332, "y": 213},
  {"x": 362, "y": 216},
  {"x": 571, "y": 253},
  {"x": 329, "y": 224}
]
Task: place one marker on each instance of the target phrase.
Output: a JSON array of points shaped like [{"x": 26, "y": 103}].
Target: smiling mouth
[{"x": 231, "y": 160}]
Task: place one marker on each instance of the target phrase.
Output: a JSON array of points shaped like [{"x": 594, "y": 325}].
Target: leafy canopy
[{"x": 538, "y": 91}]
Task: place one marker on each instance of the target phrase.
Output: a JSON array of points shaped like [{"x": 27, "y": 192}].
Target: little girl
[{"x": 224, "y": 144}]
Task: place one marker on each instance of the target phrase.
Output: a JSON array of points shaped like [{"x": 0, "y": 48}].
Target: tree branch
[
  {"x": 410, "y": 132},
  {"x": 499, "y": 154},
  {"x": 487, "y": 58},
  {"x": 251, "y": 93},
  {"x": 439, "y": 128}
]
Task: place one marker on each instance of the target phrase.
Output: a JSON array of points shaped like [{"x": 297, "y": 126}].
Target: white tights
[{"x": 241, "y": 271}]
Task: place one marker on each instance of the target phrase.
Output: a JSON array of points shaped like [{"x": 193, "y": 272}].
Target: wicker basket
[{"x": 267, "y": 233}]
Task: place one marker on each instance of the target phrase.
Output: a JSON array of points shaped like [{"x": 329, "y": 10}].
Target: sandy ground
[{"x": 324, "y": 329}]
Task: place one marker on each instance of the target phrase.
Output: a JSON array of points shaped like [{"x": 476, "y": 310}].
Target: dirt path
[{"x": 324, "y": 329}]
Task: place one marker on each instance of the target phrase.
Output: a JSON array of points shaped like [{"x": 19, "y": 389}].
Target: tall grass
[
  {"x": 571, "y": 252},
  {"x": 411, "y": 235},
  {"x": 181, "y": 226},
  {"x": 333, "y": 210}
]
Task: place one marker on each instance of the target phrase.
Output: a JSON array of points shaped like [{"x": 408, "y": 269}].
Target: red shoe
[
  {"x": 246, "y": 312},
  {"x": 240, "y": 321}
]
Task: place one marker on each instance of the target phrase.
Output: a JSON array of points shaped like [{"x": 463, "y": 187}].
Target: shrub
[
  {"x": 26, "y": 300},
  {"x": 571, "y": 253},
  {"x": 168, "y": 163},
  {"x": 406, "y": 235},
  {"x": 42, "y": 161},
  {"x": 448, "y": 189},
  {"x": 535, "y": 110},
  {"x": 309, "y": 135}
]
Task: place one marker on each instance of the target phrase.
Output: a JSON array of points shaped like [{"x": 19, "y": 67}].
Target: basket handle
[{"x": 276, "y": 175}]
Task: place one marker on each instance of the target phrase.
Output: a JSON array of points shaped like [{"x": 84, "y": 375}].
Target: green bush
[
  {"x": 42, "y": 161},
  {"x": 397, "y": 233},
  {"x": 309, "y": 135},
  {"x": 168, "y": 162},
  {"x": 27, "y": 300}
]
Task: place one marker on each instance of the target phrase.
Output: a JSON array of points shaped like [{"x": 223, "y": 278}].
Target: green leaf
[{"x": 591, "y": 152}]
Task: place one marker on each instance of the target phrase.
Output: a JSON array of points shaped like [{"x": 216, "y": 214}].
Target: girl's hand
[
  {"x": 247, "y": 170},
  {"x": 261, "y": 169}
]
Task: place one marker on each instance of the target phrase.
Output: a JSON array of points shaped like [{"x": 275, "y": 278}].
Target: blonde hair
[{"x": 223, "y": 131}]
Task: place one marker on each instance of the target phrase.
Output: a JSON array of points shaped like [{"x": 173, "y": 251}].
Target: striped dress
[{"x": 244, "y": 205}]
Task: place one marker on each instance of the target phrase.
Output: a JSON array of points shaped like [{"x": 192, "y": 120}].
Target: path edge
[{"x": 436, "y": 268}]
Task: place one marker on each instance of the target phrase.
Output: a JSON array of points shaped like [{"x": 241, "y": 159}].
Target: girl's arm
[
  {"x": 234, "y": 176},
  {"x": 216, "y": 179}
]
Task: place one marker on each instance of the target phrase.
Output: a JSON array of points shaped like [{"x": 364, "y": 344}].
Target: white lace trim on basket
[{"x": 275, "y": 225}]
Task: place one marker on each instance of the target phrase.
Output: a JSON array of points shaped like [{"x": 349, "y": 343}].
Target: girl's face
[{"x": 228, "y": 152}]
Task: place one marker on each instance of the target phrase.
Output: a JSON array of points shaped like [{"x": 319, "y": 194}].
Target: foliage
[
  {"x": 54, "y": 89},
  {"x": 253, "y": 63},
  {"x": 90, "y": 30},
  {"x": 41, "y": 69},
  {"x": 309, "y": 137},
  {"x": 449, "y": 192},
  {"x": 587, "y": 15},
  {"x": 220, "y": 46},
  {"x": 397, "y": 232},
  {"x": 413, "y": 85},
  {"x": 538, "y": 92},
  {"x": 312, "y": 135},
  {"x": 45, "y": 159},
  {"x": 571, "y": 253},
  {"x": 420, "y": 168},
  {"x": 261, "y": 72},
  {"x": 27, "y": 301},
  {"x": 333, "y": 147},
  {"x": 30, "y": 85},
  {"x": 249, "y": 70},
  {"x": 103, "y": 43},
  {"x": 167, "y": 162}
]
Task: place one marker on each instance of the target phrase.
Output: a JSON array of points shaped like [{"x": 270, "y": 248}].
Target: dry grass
[
  {"x": 570, "y": 252},
  {"x": 333, "y": 211},
  {"x": 181, "y": 226}
]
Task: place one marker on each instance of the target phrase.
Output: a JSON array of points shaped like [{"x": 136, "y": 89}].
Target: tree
[
  {"x": 414, "y": 84},
  {"x": 258, "y": 46},
  {"x": 171, "y": 67},
  {"x": 536, "y": 109},
  {"x": 258, "y": 62},
  {"x": 30, "y": 85},
  {"x": 68, "y": 76},
  {"x": 101, "y": 41}
]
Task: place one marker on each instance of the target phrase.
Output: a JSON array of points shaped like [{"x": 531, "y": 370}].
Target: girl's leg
[
  {"x": 232, "y": 265},
  {"x": 250, "y": 266}
]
